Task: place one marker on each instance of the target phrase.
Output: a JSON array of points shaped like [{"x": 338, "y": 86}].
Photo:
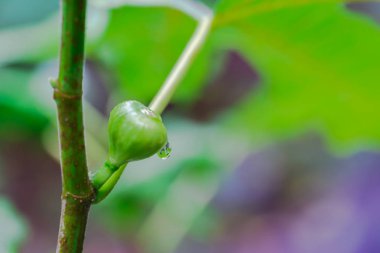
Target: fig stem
[
  {"x": 103, "y": 174},
  {"x": 204, "y": 16},
  {"x": 108, "y": 184}
]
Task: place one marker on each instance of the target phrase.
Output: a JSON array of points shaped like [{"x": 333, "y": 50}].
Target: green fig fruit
[{"x": 135, "y": 132}]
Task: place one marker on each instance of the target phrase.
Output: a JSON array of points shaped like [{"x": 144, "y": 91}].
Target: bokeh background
[{"x": 275, "y": 129}]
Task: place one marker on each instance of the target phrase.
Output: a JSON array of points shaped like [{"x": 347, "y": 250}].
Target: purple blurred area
[{"x": 287, "y": 200}]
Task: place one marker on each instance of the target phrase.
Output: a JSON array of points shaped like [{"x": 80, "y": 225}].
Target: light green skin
[{"x": 134, "y": 132}]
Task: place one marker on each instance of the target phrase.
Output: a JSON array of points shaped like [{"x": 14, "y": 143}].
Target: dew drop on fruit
[{"x": 164, "y": 153}]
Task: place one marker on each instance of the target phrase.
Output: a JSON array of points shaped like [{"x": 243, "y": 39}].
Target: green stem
[
  {"x": 105, "y": 180},
  {"x": 103, "y": 174},
  {"x": 204, "y": 17},
  {"x": 77, "y": 192}
]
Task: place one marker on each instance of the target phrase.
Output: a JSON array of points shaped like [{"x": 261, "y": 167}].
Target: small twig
[{"x": 204, "y": 16}]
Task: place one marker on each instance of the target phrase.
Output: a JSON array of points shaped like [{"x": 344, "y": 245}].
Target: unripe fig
[{"x": 135, "y": 132}]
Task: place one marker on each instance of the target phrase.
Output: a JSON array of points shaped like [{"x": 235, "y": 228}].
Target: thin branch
[{"x": 204, "y": 16}]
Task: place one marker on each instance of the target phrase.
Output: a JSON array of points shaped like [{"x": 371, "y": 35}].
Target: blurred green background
[{"x": 274, "y": 129}]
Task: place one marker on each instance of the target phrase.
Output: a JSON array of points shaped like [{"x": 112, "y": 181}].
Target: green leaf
[
  {"x": 13, "y": 228},
  {"x": 318, "y": 65}
]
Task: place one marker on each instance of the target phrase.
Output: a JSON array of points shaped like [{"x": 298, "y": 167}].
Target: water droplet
[{"x": 164, "y": 153}]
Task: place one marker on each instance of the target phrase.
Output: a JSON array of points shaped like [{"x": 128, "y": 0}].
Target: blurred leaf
[
  {"x": 317, "y": 61},
  {"x": 184, "y": 202},
  {"x": 41, "y": 37},
  {"x": 13, "y": 229},
  {"x": 319, "y": 65},
  {"x": 229, "y": 10},
  {"x": 18, "y": 111},
  {"x": 140, "y": 47},
  {"x": 128, "y": 206},
  {"x": 19, "y": 12},
  {"x": 209, "y": 3}
]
